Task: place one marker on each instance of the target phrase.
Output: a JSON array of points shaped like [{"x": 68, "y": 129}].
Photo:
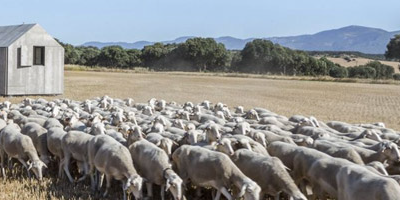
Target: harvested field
[
  {"x": 362, "y": 61},
  {"x": 350, "y": 102}
]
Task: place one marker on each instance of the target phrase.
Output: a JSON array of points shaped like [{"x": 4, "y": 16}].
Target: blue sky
[{"x": 79, "y": 21}]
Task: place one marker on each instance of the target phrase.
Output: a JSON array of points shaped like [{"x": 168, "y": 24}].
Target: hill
[{"x": 351, "y": 38}]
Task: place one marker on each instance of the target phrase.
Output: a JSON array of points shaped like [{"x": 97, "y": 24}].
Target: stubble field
[{"x": 350, "y": 102}]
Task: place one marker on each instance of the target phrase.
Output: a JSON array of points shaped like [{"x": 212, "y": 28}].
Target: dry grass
[
  {"x": 362, "y": 61},
  {"x": 350, "y": 102}
]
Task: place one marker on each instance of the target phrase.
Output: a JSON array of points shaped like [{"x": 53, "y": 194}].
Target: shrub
[
  {"x": 362, "y": 72},
  {"x": 338, "y": 72},
  {"x": 396, "y": 76}
]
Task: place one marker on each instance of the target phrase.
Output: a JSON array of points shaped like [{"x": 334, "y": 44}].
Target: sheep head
[
  {"x": 224, "y": 145},
  {"x": 37, "y": 167},
  {"x": 134, "y": 184},
  {"x": 173, "y": 183},
  {"x": 250, "y": 190},
  {"x": 391, "y": 150}
]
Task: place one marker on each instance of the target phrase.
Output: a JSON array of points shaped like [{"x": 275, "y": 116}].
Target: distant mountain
[{"x": 350, "y": 38}]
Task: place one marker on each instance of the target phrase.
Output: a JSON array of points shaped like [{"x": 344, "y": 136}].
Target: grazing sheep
[
  {"x": 38, "y": 135},
  {"x": 74, "y": 145},
  {"x": 152, "y": 163},
  {"x": 19, "y": 146},
  {"x": 268, "y": 172},
  {"x": 358, "y": 183},
  {"x": 208, "y": 168},
  {"x": 114, "y": 161}
]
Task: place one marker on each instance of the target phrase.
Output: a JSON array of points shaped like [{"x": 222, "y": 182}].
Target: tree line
[{"x": 205, "y": 54}]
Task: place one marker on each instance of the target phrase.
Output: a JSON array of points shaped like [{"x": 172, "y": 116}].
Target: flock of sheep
[{"x": 207, "y": 148}]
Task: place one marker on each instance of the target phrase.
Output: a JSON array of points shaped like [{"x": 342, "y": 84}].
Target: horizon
[{"x": 122, "y": 21}]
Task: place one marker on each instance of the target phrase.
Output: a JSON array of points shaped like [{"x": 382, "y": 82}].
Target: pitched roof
[{"x": 8, "y": 34}]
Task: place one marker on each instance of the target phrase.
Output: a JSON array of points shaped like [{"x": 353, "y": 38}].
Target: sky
[{"x": 80, "y": 21}]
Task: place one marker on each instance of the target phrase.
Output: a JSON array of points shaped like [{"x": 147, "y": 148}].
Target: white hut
[{"x": 31, "y": 61}]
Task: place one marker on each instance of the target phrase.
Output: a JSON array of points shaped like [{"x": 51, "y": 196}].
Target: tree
[
  {"x": 362, "y": 72},
  {"x": 113, "y": 56},
  {"x": 203, "y": 53},
  {"x": 88, "y": 55},
  {"x": 154, "y": 56},
  {"x": 382, "y": 71},
  {"x": 393, "y": 48},
  {"x": 134, "y": 57}
]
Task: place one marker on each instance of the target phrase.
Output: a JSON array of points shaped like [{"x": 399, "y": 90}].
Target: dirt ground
[{"x": 350, "y": 102}]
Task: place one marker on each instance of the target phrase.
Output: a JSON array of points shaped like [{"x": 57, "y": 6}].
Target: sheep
[
  {"x": 322, "y": 176},
  {"x": 117, "y": 136},
  {"x": 213, "y": 169},
  {"x": 38, "y": 135},
  {"x": 19, "y": 146},
  {"x": 162, "y": 142},
  {"x": 338, "y": 151},
  {"x": 114, "y": 161},
  {"x": 358, "y": 183},
  {"x": 74, "y": 145},
  {"x": 152, "y": 163},
  {"x": 54, "y": 140},
  {"x": 52, "y": 122},
  {"x": 268, "y": 172}
]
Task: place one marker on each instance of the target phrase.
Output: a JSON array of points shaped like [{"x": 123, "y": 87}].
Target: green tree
[
  {"x": 154, "y": 56},
  {"x": 382, "y": 71},
  {"x": 203, "y": 53},
  {"x": 88, "y": 55},
  {"x": 113, "y": 56},
  {"x": 134, "y": 57},
  {"x": 393, "y": 48}
]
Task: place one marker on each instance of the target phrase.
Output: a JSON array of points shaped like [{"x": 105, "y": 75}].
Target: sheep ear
[
  {"x": 242, "y": 191},
  {"x": 30, "y": 166},
  {"x": 167, "y": 185},
  {"x": 175, "y": 143},
  {"x": 143, "y": 135},
  {"x": 158, "y": 143}
]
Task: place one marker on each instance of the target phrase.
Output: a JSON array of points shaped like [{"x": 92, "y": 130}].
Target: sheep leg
[
  {"x": 108, "y": 178},
  {"x": 65, "y": 164},
  {"x": 92, "y": 178},
  {"x": 85, "y": 172},
  {"x": 218, "y": 195},
  {"x": 101, "y": 178},
  {"x": 2, "y": 164},
  {"x": 149, "y": 187},
  {"x": 225, "y": 192},
  {"x": 123, "y": 191},
  {"x": 162, "y": 193},
  {"x": 25, "y": 165},
  {"x": 60, "y": 167}
]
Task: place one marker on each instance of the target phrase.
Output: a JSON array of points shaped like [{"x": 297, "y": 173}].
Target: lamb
[
  {"x": 74, "y": 145},
  {"x": 358, "y": 183},
  {"x": 21, "y": 147},
  {"x": 114, "y": 161},
  {"x": 268, "y": 172},
  {"x": 213, "y": 169},
  {"x": 38, "y": 135},
  {"x": 152, "y": 163}
]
